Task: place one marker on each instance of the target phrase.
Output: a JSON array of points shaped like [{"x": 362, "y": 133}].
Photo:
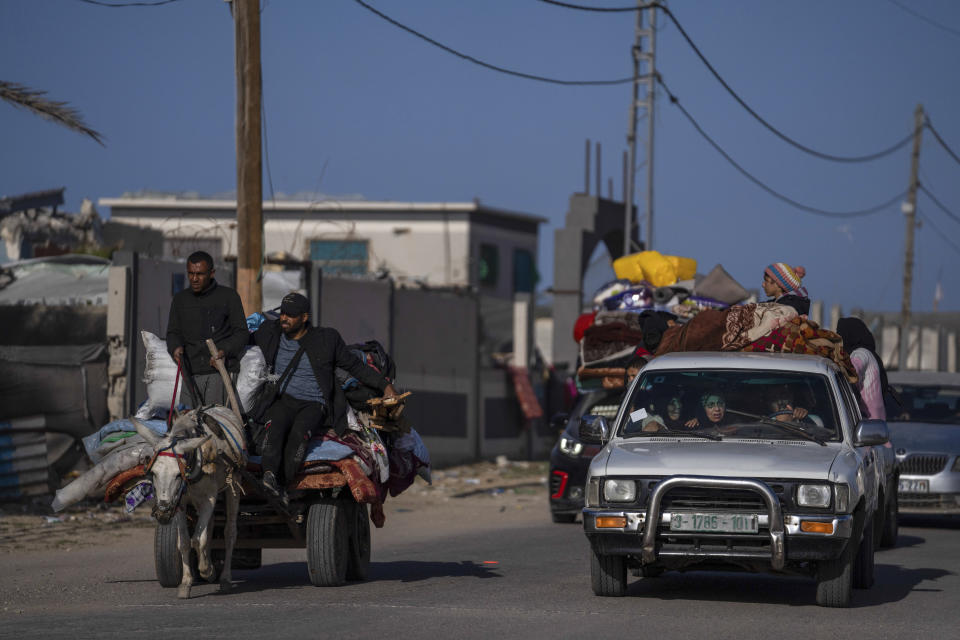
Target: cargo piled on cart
[
  {"x": 326, "y": 509},
  {"x": 659, "y": 304}
]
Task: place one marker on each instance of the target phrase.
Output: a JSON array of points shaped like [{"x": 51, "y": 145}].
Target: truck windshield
[{"x": 768, "y": 405}]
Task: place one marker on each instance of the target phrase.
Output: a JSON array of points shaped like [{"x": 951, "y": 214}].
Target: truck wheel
[
  {"x": 863, "y": 565},
  {"x": 359, "y": 562},
  {"x": 608, "y": 575},
  {"x": 166, "y": 553},
  {"x": 891, "y": 526},
  {"x": 328, "y": 543},
  {"x": 835, "y": 578},
  {"x": 564, "y": 518}
]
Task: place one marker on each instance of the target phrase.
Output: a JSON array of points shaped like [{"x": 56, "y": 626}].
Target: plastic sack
[
  {"x": 611, "y": 288},
  {"x": 97, "y": 449},
  {"x": 160, "y": 372},
  {"x": 96, "y": 479},
  {"x": 651, "y": 266},
  {"x": 685, "y": 268}
]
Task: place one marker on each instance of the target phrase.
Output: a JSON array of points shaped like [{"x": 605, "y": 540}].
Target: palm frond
[{"x": 35, "y": 101}]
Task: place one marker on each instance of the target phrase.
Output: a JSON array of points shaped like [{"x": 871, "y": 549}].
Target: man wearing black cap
[
  {"x": 204, "y": 310},
  {"x": 306, "y": 394}
]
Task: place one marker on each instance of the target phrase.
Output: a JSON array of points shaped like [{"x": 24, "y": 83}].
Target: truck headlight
[
  {"x": 570, "y": 447},
  {"x": 813, "y": 495},
  {"x": 616, "y": 490}
]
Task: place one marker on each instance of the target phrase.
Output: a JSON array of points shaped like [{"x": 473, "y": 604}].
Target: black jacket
[
  {"x": 801, "y": 304},
  {"x": 326, "y": 351},
  {"x": 216, "y": 312}
]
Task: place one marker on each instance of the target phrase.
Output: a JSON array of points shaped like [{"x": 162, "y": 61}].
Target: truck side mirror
[
  {"x": 871, "y": 432},
  {"x": 594, "y": 429}
]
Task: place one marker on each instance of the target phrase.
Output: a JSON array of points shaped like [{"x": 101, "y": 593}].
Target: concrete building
[{"x": 438, "y": 244}]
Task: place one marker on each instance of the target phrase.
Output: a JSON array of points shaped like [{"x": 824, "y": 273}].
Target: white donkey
[{"x": 222, "y": 448}]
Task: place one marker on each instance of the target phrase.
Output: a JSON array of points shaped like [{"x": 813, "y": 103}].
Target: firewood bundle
[{"x": 386, "y": 414}]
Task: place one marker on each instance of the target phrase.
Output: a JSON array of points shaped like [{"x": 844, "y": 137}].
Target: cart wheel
[
  {"x": 359, "y": 561},
  {"x": 166, "y": 553},
  {"x": 328, "y": 543}
]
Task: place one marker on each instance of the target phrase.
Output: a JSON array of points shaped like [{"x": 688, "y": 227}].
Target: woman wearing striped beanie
[{"x": 782, "y": 283}]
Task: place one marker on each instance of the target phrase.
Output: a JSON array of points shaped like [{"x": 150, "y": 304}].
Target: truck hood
[{"x": 732, "y": 458}]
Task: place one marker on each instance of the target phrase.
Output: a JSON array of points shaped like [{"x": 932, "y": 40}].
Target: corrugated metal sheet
[{"x": 24, "y": 468}]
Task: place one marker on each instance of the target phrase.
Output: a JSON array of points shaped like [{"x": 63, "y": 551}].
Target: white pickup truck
[{"x": 753, "y": 461}]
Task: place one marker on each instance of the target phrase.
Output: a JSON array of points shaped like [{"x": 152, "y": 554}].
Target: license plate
[
  {"x": 908, "y": 485},
  {"x": 714, "y": 522}
]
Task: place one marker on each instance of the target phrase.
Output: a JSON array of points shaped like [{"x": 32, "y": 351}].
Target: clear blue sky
[{"x": 395, "y": 118}]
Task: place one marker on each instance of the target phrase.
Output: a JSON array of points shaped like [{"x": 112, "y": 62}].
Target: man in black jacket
[
  {"x": 306, "y": 396},
  {"x": 206, "y": 310}
]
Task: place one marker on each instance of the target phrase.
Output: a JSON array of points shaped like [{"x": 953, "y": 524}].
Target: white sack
[
  {"x": 160, "y": 372},
  {"x": 96, "y": 479}
]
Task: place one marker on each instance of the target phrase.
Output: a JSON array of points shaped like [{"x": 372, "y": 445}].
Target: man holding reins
[
  {"x": 306, "y": 357},
  {"x": 206, "y": 309}
]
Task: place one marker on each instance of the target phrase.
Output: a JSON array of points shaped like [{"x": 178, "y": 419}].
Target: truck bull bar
[{"x": 775, "y": 514}]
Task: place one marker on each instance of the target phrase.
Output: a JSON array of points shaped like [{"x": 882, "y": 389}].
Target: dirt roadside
[{"x": 475, "y": 496}]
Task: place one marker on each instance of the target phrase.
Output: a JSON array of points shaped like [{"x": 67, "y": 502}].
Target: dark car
[
  {"x": 925, "y": 432},
  {"x": 570, "y": 457}
]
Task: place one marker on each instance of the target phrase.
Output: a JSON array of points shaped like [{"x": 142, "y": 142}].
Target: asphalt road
[{"x": 436, "y": 576}]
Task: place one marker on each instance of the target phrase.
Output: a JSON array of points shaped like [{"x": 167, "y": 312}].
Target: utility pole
[
  {"x": 246, "y": 20},
  {"x": 910, "y": 212},
  {"x": 651, "y": 78},
  {"x": 632, "y": 134},
  {"x": 647, "y": 103}
]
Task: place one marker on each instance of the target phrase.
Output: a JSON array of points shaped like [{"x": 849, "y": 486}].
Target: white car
[{"x": 769, "y": 467}]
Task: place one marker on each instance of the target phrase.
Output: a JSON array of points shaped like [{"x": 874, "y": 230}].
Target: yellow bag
[
  {"x": 646, "y": 265},
  {"x": 686, "y": 268}
]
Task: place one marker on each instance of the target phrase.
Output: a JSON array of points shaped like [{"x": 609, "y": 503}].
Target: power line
[
  {"x": 943, "y": 144},
  {"x": 580, "y": 7},
  {"x": 156, "y": 3},
  {"x": 924, "y": 18},
  {"x": 493, "y": 67},
  {"x": 939, "y": 204},
  {"x": 771, "y": 191},
  {"x": 943, "y": 236},
  {"x": 716, "y": 74}
]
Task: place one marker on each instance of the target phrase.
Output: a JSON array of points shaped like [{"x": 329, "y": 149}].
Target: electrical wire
[
  {"x": 487, "y": 65},
  {"x": 946, "y": 147},
  {"x": 924, "y": 18},
  {"x": 771, "y": 191},
  {"x": 943, "y": 236},
  {"x": 939, "y": 204},
  {"x": 716, "y": 74},
  {"x": 580, "y": 7},
  {"x": 156, "y": 3}
]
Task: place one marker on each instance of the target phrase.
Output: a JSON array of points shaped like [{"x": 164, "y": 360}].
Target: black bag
[
  {"x": 372, "y": 354},
  {"x": 269, "y": 393}
]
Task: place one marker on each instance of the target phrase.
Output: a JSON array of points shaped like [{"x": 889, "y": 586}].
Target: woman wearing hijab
[
  {"x": 783, "y": 284},
  {"x": 859, "y": 344},
  {"x": 712, "y": 413}
]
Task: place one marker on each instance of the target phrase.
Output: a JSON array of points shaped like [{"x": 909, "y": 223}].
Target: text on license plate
[
  {"x": 714, "y": 522},
  {"x": 908, "y": 485}
]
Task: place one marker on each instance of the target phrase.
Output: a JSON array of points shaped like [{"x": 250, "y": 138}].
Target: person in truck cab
[{"x": 712, "y": 412}]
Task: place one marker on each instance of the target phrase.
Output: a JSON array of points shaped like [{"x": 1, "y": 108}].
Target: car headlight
[
  {"x": 616, "y": 490},
  {"x": 570, "y": 446},
  {"x": 813, "y": 495}
]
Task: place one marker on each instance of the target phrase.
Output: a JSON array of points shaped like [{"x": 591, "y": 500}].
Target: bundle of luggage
[
  {"x": 652, "y": 293},
  {"x": 657, "y": 305},
  {"x": 378, "y": 453}
]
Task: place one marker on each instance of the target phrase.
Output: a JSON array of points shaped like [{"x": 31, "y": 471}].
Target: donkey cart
[{"x": 322, "y": 515}]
